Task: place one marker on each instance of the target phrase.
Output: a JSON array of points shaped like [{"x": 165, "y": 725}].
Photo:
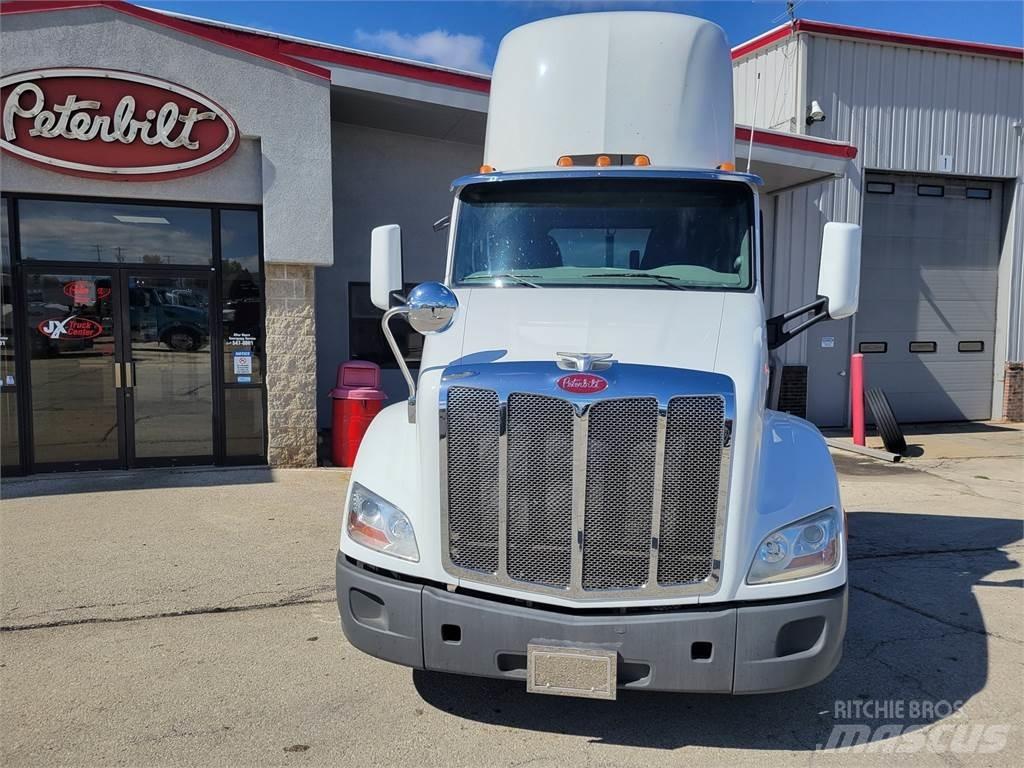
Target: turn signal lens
[
  {"x": 727, "y": 166},
  {"x": 603, "y": 161},
  {"x": 486, "y": 169},
  {"x": 641, "y": 160},
  {"x": 564, "y": 162}
]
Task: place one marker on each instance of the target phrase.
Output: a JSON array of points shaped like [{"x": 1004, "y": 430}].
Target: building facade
[
  {"x": 180, "y": 289},
  {"x": 938, "y": 186}
]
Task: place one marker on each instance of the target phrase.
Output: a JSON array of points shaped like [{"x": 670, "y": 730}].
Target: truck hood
[{"x": 653, "y": 327}]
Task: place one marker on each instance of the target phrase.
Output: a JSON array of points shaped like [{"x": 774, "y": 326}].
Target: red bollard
[{"x": 857, "y": 397}]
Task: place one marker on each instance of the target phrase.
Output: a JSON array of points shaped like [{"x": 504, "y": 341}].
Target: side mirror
[
  {"x": 385, "y": 264},
  {"x": 431, "y": 308},
  {"x": 839, "y": 273}
]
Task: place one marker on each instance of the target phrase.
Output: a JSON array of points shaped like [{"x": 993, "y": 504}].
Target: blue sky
[{"x": 465, "y": 35}]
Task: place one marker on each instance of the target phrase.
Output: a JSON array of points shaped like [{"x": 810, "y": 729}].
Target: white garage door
[{"x": 926, "y": 323}]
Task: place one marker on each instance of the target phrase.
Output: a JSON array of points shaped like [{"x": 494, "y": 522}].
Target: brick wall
[
  {"x": 291, "y": 366},
  {"x": 1013, "y": 392}
]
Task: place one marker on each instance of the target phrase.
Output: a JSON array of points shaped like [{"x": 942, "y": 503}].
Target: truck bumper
[{"x": 746, "y": 648}]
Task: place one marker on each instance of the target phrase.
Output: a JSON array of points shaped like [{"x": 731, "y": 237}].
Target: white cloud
[{"x": 439, "y": 46}]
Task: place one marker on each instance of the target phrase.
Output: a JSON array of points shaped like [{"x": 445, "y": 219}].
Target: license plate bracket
[{"x": 559, "y": 670}]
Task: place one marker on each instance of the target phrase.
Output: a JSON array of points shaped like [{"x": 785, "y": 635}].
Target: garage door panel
[
  {"x": 891, "y": 284},
  {"x": 897, "y": 347},
  {"x": 941, "y": 406},
  {"x": 928, "y": 317},
  {"x": 929, "y": 253},
  {"x": 910, "y": 375},
  {"x": 930, "y": 274}
]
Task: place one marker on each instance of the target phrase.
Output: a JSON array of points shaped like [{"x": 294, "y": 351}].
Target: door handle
[
  {"x": 129, "y": 379},
  {"x": 117, "y": 375},
  {"x": 842, "y": 373}
]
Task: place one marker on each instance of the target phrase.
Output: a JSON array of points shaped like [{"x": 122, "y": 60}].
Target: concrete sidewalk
[{"x": 109, "y": 546}]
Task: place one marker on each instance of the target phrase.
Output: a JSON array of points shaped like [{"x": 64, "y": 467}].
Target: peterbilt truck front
[{"x": 586, "y": 488}]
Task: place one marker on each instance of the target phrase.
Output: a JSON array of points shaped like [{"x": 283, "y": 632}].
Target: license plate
[{"x": 567, "y": 671}]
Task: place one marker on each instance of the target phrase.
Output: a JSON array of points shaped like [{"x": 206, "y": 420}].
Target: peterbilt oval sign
[
  {"x": 582, "y": 383},
  {"x": 106, "y": 124}
]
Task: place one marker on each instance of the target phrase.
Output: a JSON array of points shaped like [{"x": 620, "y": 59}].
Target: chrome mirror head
[{"x": 431, "y": 308}]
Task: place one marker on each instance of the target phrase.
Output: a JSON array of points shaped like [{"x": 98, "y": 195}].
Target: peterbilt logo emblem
[
  {"x": 113, "y": 125},
  {"x": 582, "y": 383}
]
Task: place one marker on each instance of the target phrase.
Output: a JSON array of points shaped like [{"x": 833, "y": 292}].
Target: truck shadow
[{"x": 916, "y": 651}]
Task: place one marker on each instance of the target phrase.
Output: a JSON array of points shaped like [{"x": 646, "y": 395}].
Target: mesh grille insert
[
  {"x": 689, "y": 496},
  {"x": 621, "y": 447},
  {"x": 539, "y": 489},
  {"x": 473, "y": 423}
]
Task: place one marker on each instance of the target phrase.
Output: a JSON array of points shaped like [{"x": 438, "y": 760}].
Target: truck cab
[{"x": 586, "y": 488}]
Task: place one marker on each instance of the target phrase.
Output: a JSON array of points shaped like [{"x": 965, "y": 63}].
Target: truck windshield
[{"x": 649, "y": 233}]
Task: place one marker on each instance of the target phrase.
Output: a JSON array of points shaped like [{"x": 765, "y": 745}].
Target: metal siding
[
  {"x": 1014, "y": 249},
  {"x": 904, "y": 107},
  {"x": 776, "y": 99}
]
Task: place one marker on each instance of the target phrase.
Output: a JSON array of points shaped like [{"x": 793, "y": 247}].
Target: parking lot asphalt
[{"x": 188, "y": 618}]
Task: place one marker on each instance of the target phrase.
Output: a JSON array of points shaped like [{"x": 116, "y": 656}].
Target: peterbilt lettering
[
  {"x": 74, "y": 120},
  {"x": 624, "y": 515}
]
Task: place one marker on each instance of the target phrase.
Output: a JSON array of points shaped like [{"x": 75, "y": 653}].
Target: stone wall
[
  {"x": 1013, "y": 392},
  {"x": 291, "y": 366}
]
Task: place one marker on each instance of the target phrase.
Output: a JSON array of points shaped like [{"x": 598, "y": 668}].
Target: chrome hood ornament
[{"x": 584, "y": 361}]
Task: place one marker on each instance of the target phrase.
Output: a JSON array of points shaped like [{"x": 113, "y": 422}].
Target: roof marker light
[
  {"x": 603, "y": 161},
  {"x": 564, "y": 162},
  {"x": 641, "y": 160},
  {"x": 727, "y": 166},
  {"x": 486, "y": 169}
]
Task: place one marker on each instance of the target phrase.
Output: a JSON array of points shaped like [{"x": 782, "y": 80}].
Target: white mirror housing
[
  {"x": 385, "y": 264},
  {"x": 839, "y": 273}
]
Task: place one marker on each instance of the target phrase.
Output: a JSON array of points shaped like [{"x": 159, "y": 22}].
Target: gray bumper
[{"x": 749, "y": 648}]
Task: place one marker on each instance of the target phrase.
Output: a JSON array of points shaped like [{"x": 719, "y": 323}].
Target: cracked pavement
[{"x": 188, "y": 618}]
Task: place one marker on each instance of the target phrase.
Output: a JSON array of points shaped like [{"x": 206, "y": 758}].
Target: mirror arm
[
  {"x": 778, "y": 335},
  {"x": 399, "y": 358}
]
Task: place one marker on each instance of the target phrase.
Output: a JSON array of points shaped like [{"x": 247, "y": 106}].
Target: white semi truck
[{"x": 586, "y": 489}]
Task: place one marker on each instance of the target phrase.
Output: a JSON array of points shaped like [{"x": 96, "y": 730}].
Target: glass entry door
[
  {"x": 72, "y": 335},
  {"x": 168, "y": 376},
  {"x": 121, "y": 367}
]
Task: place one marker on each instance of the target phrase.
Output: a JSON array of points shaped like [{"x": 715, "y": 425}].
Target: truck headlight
[
  {"x": 379, "y": 525},
  {"x": 805, "y": 548}
]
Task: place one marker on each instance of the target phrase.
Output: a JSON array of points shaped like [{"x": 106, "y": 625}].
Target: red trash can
[{"x": 357, "y": 399}]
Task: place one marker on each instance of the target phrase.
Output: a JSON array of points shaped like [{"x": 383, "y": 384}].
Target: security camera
[{"x": 816, "y": 114}]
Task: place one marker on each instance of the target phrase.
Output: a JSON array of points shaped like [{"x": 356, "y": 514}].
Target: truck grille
[{"x": 621, "y": 496}]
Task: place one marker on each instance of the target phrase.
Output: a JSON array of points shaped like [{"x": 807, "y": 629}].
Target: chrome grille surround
[{"x": 618, "y": 494}]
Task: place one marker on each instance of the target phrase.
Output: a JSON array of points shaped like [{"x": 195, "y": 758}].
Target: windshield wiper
[
  {"x": 505, "y": 275},
  {"x": 663, "y": 279}
]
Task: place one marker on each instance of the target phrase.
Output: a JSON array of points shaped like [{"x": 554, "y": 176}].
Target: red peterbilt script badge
[
  {"x": 70, "y": 328},
  {"x": 82, "y": 290},
  {"x": 582, "y": 383},
  {"x": 106, "y": 124}
]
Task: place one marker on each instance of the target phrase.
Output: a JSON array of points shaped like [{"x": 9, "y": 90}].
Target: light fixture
[
  {"x": 815, "y": 114},
  {"x": 141, "y": 219}
]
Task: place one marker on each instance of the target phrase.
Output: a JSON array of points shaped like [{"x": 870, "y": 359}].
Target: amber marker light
[
  {"x": 486, "y": 169},
  {"x": 641, "y": 160},
  {"x": 727, "y": 167},
  {"x": 564, "y": 162},
  {"x": 603, "y": 161}
]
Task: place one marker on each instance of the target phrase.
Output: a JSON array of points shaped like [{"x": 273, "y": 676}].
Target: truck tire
[{"x": 885, "y": 421}]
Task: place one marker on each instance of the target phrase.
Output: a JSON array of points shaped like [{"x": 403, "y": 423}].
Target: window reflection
[
  {"x": 242, "y": 308},
  {"x": 57, "y": 230}
]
